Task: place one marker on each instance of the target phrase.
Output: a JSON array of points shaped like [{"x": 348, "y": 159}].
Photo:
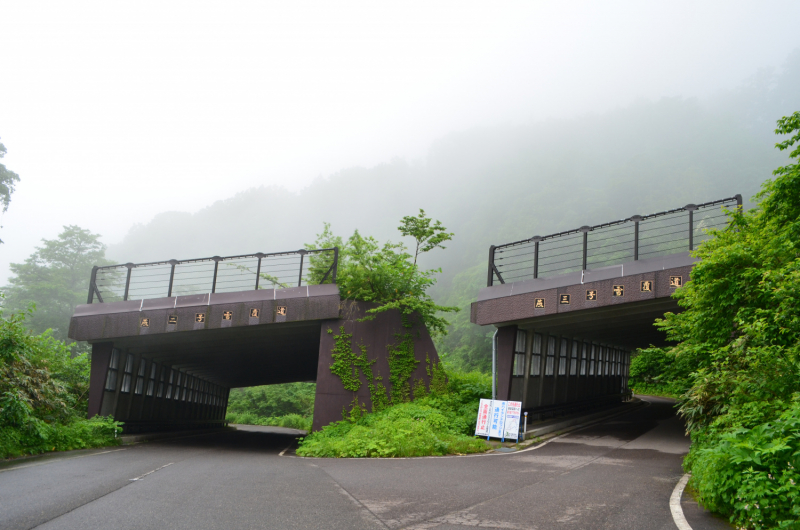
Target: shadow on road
[{"x": 245, "y": 439}]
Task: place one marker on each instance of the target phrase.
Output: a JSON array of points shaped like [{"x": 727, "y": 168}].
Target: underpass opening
[
  {"x": 572, "y": 307},
  {"x": 169, "y": 363}
]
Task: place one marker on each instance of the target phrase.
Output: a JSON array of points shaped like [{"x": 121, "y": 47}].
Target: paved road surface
[{"x": 617, "y": 474}]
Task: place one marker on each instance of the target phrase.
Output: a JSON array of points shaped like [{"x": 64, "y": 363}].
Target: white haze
[{"x": 114, "y": 112}]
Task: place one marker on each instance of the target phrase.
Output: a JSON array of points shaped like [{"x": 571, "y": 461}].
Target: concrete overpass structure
[
  {"x": 168, "y": 362},
  {"x": 571, "y": 307}
]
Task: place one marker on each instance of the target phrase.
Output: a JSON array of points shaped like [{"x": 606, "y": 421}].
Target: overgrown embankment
[
  {"x": 439, "y": 421},
  {"x": 43, "y": 395},
  {"x": 737, "y": 362}
]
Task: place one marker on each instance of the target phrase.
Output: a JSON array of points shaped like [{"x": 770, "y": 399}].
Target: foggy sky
[{"x": 113, "y": 113}]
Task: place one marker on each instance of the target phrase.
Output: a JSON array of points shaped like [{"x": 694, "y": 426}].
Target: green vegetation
[
  {"x": 660, "y": 372},
  {"x": 43, "y": 395},
  {"x": 8, "y": 181},
  {"x": 737, "y": 362},
  {"x": 386, "y": 275},
  {"x": 507, "y": 182},
  {"x": 412, "y": 419},
  {"x": 292, "y": 421},
  {"x": 55, "y": 278},
  {"x": 287, "y": 405},
  {"x": 437, "y": 423}
]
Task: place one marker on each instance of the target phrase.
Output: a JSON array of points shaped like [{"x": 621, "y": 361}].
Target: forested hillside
[{"x": 509, "y": 182}]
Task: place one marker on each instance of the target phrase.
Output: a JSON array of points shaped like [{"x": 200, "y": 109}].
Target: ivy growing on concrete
[
  {"x": 346, "y": 365},
  {"x": 401, "y": 365},
  {"x": 349, "y": 366}
]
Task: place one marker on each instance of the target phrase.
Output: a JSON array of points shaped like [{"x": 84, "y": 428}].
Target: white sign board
[
  {"x": 511, "y": 428},
  {"x": 497, "y": 419},
  {"x": 484, "y": 411}
]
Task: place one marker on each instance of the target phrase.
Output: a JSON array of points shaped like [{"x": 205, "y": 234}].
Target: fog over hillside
[
  {"x": 200, "y": 132},
  {"x": 496, "y": 184}
]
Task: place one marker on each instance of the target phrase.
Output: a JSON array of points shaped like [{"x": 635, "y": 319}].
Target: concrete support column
[
  {"x": 506, "y": 339},
  {"x": 101, "y": 356}
]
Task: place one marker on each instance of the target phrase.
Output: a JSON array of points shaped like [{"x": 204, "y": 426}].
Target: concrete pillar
[{"x": 101, "y": 355}]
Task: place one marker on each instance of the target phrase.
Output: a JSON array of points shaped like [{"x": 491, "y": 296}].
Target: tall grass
[{"x": 437, "y": 424}]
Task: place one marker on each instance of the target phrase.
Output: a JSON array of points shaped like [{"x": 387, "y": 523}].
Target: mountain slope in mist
[{"x": 494, "y": 185}]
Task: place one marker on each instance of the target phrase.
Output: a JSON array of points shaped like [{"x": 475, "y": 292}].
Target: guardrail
[
  {"x": 138, "y": 281},
  {"x": 631, "y": 239}
]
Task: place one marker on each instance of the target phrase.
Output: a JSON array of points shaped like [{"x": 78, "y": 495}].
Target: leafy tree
[
  {"x": 741, "y": 325},
  {"x": 426, "y": 235},
  {"x": 8, "y": 180},
  {"x": 386, "y": 274},
  {"x": 55, "y": 278},
  {"x": 739, "y": 353}
]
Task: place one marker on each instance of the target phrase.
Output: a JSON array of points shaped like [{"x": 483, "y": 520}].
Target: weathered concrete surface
[{"x": 377, "y": 336}]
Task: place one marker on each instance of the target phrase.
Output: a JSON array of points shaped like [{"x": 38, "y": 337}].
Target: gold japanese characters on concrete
[
  {"x": 647, "y": 286},
  {"x": 591, "y": 294},
  {"x": 227, "y": 315},
  {"x": 675, "y": 281},
  {"x": 618, "y": 290},
  {"x": 173, "y": 319},
  {"x": 563, "y": 299},
  {"x": 145, "y": 322},
  {"x": 281, "y": 310},
  {"x": 538, "y": 303},
  {"x": 199, "y": 317},
  {"x": 255, "y": 313}
]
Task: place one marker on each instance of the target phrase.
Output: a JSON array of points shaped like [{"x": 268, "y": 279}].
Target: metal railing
[
  {"x": 631, "y": 239},
  {"x": 158, "y": 279}
]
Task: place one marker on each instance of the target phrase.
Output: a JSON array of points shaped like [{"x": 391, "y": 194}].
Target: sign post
[{"x": 525, "y": 427}]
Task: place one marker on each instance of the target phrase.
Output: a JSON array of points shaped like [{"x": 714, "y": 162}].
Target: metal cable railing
[
  {"x": 590, "y": 247},
  {"x": 139, "y": 281}
]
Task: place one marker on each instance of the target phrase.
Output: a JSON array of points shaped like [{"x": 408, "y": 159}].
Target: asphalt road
[{"x": 617, "y": 474}]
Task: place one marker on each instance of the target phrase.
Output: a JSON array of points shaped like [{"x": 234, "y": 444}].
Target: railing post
[
  {"x": 636, "y": 220},
  {"x": 490, "y": 278},
  {"x": 738, "y": 198},
  {"x": 128, "y": 280},
  {"x": 171, "y": 276},
  {"x": 335, "y": 262},
  {"x": 691, "y": 208},
  {"x": 260, "y": 256},
  {"x": 585, "y": 230},
  {"x": 92, "y": 286},
  {"x": 536, "y": 240},
  {"x": 302, "y": 253},
  {"x": 216, "y": 259}
]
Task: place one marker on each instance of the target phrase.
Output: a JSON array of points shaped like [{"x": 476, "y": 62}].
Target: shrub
[
  {"x": 43, "y": 395},
  {"x": 752, "y": 475},
  {"x": 440, "y": 423},
  {"x": 36, "y": 436},
  {"x": 739, "y": 353}
]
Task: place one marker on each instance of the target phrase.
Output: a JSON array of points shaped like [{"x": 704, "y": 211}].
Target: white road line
[
  {"x": 675, "y": 505},
  {"x": 53, "y": 461},
  {"x": 287, "y": 448},
  {"x": 149, "y": 472}
]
